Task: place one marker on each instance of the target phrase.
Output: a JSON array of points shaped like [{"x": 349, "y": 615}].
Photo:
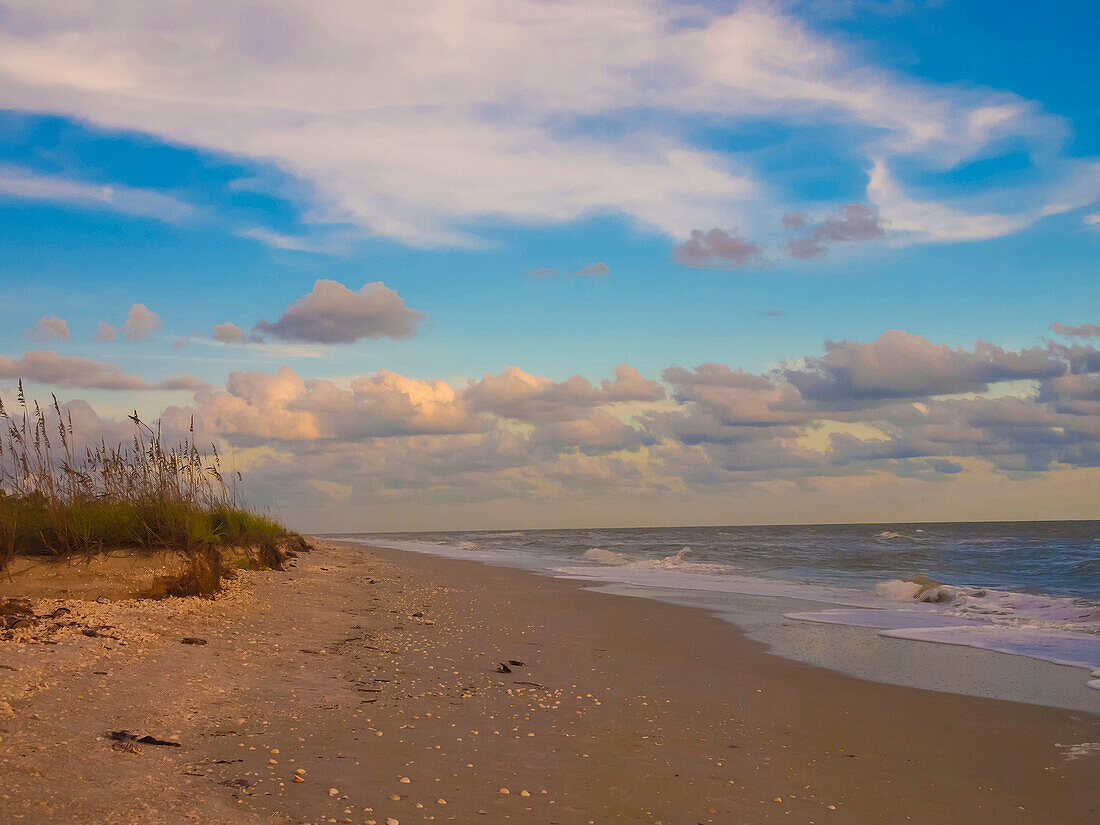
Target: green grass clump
[{"x": 58, "y": 500}]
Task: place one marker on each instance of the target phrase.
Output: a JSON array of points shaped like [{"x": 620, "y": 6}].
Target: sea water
[{"x": 1029, "y": 589}]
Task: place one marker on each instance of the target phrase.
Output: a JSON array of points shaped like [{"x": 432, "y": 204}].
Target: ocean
[{"x": 1027, "y": 589}]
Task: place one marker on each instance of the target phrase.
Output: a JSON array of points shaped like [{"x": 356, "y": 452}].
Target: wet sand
[{"x": 374, "y": 674}]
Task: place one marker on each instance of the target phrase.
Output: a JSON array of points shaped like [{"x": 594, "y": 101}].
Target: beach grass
[{"x": 61, "y": 496}]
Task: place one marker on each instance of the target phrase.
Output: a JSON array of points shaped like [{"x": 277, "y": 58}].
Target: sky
[{"x": 477, "y": 264}]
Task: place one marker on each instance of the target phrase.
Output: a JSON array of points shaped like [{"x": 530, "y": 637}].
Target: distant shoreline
[{"x": 339, "y": 535}]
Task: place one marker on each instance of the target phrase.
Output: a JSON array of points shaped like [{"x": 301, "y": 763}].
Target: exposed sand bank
[{"x": 368, "y": 668}]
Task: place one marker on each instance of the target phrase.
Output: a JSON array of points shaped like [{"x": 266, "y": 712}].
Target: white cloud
[
  {"x": 418, "y": 119},
  {"x": 277, "y": 240},
  {"x": 934, "y": 220},
  {"x": 24, "y": 183}
]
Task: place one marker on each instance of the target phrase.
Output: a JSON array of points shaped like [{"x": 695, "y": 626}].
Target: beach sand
[{"x": 371, "y": 675}]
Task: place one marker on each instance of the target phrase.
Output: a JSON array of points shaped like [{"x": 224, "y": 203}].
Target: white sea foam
[
  {"x": 681, "y": 574},
  {"x": 1005, "y": 607},
  {"x": 608, "y": 557},
  {"x": 898, "y": 590},
  {"x": 1062, "y": 630},
  {"x": 679, "y": 560}
]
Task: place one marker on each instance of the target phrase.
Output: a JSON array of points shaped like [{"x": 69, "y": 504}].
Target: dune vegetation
[{"x": 61, "y": 496}]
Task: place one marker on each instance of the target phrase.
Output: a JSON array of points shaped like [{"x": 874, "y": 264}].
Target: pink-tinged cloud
[
  {"x": 844, "y": 414},
  {"x": 715, "y": 249},
  {"x": 140, "y": 323},
  {"x": 595, "y": 432},
  {"x": 48, "y": 327},
  {"x": 333, "y": 314},
  {"x": 630, "y": 385},
  {"x": 256, "y": 407},
  {"x": 47, "y": 367},
  {"x": 228, "y": 333},
  {"x": 105, "y": 332},
  {"x": 1083, "y": 331},
  {"x": 805, "y": 249},
  {"x": 899, "y": 364},
  {"x": 854, "y": 223},
  {"x": 533, "y": 398}
]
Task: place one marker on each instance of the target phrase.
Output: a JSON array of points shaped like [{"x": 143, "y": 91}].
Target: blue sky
[{"x": 215, "y": 166}]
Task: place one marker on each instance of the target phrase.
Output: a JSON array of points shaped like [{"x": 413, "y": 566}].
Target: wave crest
[
  {"x": 606, "y": 557},
  {"x": 1005, "y": 607}
]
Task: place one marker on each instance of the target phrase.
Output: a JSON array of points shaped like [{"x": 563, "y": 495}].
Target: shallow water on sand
[{"x": 1028, "y": 589}]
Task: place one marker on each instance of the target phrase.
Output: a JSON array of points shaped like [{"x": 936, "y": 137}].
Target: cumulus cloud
[
  {"x": 518, "y": 394},
  {"x": 630, "y": 385},
  {"x": 854, "y": 222},
  {"x": 1083, "y": 331},
  {"x": 594, "y": 433},
  {"x": 105, "y": 332},
  {"x": 50, "y": 326},
  {"x": 228, "y": 333},
  {"x": 898, "y": 407},
  {"x": 725, "y": 401},
  {"x": 411, "y": 121},
  {"x": 140, "y": 323},
  {"x": 47, "y": 367},
  {"x": 259, "y": 407},
  {"x": 715, "y": 249},
  {"x": 333, "y": 314},
  {"x": 899, "y": 364}
]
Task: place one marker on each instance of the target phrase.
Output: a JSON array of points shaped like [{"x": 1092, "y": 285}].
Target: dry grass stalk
[{"x": 60, "y": 499}]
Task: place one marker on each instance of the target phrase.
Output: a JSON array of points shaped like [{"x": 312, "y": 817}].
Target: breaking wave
[
  {"x": 843, "y": 574},
  {"x": 607, "y": 557},
  {"x": 1004, "y": 607}
]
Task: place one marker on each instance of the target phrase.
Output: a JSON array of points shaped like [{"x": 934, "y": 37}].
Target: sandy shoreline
[{"x": 363, "y": 669}]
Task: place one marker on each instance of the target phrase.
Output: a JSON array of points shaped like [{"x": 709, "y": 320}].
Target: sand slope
[{"x": 374, "y": 673}]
